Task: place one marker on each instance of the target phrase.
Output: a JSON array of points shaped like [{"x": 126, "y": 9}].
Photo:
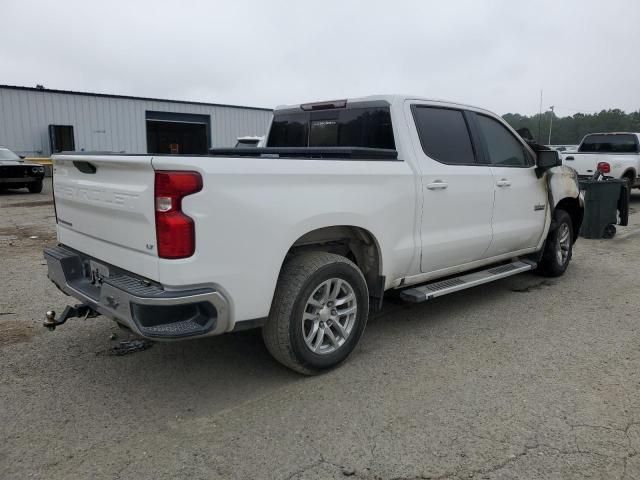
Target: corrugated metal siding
[{"x": 106, "y": 123}]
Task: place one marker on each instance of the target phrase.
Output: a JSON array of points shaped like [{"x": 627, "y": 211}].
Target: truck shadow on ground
[{"x": 198, "y": 376}]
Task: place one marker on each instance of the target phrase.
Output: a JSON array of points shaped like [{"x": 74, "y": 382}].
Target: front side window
[
  {"x": 503, "y": 148},
  {"x": 444, "y": 135},
  {"x": 368, "y": 127}
]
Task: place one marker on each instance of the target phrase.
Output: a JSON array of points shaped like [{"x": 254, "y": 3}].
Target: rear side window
[
  {"x": 503, "y": 148},
  {"x": 444, "y": 135},
  {"x": 351, "y": 127},
  {"x": 614, "y": 143}
]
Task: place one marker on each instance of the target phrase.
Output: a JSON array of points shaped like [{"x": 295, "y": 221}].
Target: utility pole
[
  {"x": 550, "y": 124},
  {"x": 540, "y": 119}
]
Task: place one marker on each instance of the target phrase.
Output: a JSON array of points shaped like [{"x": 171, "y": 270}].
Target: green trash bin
[{"x": 600, "y": 207}]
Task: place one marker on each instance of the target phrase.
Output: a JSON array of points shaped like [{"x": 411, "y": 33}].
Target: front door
[
  {"x": 520, "y": 197},
  {"x": 457, "y": 189}
]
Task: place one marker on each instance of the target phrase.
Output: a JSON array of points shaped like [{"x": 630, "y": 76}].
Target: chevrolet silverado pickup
[
  {"x": 302, "y": 237},
  {"x": 617, "y": 154}
]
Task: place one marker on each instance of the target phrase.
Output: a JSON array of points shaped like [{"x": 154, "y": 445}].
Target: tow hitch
[{"x": 82, "y": 310}]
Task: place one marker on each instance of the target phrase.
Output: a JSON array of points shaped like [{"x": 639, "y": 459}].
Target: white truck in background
[
  {"x": 250, "y": 141},
  {"x": 562, "y": 149},
  {"x": 349, "y": 199},
  {"x": 616, "y": 154}
]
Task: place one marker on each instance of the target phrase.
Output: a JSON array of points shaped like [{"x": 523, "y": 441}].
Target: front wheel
[
  {"x": 318, "y": 314},
  {"x": 35, "y": 187},
  {"x": 558, "y": 248}
]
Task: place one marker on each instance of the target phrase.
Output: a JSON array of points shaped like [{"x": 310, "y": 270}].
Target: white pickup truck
[
  {"x": 616, "y": 154},
  {"x": 349, "y": 199}
]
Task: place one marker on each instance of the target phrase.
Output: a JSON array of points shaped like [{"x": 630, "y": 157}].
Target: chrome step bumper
[{"x": 145, "y": 307}]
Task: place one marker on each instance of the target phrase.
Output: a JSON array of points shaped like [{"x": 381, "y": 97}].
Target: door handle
[
  {"x": 571, "y": 159},
  {"x": 437, "y": 185},
  {"x": 503, "y": 183}
]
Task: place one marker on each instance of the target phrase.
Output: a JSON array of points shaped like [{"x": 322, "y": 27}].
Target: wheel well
[
  {"x": 572, "y": 207},
  {"x": 355, "y": 243},
  {"x": 631, "y": 175}
]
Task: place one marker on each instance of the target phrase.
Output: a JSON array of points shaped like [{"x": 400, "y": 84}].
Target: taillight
[
  {"x": 603, "y": 167},
  {"x": 175, "y": 231}
]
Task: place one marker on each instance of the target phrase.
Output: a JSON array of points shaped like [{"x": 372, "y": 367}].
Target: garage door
[{"x": 178, "y": 133}]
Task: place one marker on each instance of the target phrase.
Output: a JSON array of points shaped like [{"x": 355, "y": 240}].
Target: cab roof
[{"x": 373, "y": 99}]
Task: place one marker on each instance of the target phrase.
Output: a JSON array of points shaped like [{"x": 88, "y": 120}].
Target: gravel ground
[{"x": 523, "y": 378}]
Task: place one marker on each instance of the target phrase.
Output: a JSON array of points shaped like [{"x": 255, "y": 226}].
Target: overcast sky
[{"x": 497, "y": 54}]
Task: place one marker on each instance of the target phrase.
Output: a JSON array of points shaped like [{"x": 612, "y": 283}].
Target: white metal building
[{"x": 36, "y": 122}]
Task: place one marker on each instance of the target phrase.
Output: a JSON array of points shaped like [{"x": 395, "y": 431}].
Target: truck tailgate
[
  {"x": 583, "y": 163},
  {"x": 105, "y": 208},
  {"x": 586, "y": 163}
]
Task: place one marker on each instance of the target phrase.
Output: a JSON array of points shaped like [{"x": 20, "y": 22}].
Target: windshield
[
  {"x": 6, "y": 154},
  {"x": 610, "y": 143},
  {"x": 368, "y": 127}
]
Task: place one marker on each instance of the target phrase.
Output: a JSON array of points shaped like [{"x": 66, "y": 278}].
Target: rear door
[
  {"x": 105, "y": 208},
  {"x": 457, "y": 188},
  {"x": 520, "y": 197}
]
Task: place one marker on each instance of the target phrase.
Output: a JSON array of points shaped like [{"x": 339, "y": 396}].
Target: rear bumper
[{"x": 147, "y": 308}]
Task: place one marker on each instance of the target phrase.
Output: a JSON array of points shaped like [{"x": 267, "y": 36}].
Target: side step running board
[{"x": 450, "y": 285}]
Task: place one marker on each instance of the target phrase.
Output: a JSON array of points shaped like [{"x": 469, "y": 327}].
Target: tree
[{"x": 571, "y": 130}]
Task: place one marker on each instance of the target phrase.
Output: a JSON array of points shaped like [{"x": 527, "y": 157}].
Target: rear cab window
[
  {"x": 368, "y": 127},
  {"x": 609, "y": 143}
]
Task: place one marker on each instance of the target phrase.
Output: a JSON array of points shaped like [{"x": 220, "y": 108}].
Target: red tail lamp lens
[{"x": 175, "y": 231}]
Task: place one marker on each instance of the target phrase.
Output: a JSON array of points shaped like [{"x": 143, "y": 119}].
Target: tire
[
  {"x": 558, "y": 248},
  {"x": 35, "y": 187},
  {"x": 623, "y": 205},
  {"x": 303, "y": 304},
  {"x": 609, "y": 231},
  {"x": 629, "y": 178}
]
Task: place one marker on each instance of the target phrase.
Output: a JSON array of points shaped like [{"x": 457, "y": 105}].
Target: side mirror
[
  {"x": 547, "y": 159},
  {"x": 21, "y": 157}
]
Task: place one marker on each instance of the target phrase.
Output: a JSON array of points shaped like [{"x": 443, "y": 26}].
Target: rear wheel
[
  {"x": 609, "y": 231},
  {"x": 35, "y": 187},
  {"x": 558, "y": 248},
  {"x": 318, "y": 314}
]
